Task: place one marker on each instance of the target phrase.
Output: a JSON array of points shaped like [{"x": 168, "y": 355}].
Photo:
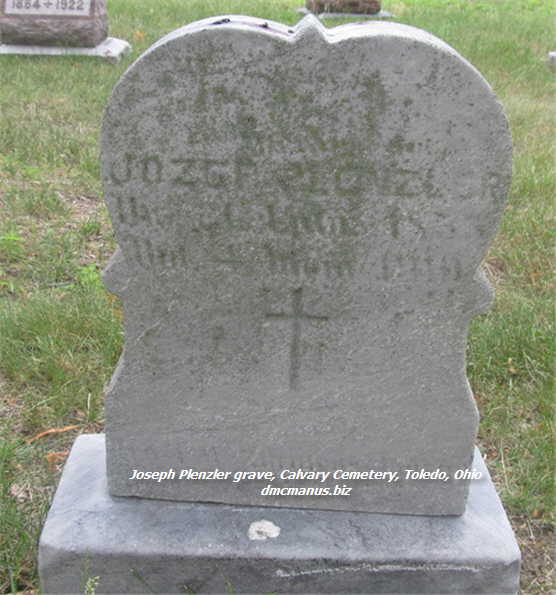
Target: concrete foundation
[{"x": 150, "y": 546}]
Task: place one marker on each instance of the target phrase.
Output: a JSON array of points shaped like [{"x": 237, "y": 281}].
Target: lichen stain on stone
[
  {"x": 397, "y": 145},
  {"x": 166, "y": 81},
  {"x": 433, "y": 75},
  {"x": 377, "y": 98}
]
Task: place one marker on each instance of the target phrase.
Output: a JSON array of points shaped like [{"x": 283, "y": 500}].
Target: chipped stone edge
[{"x": 262, "y": 530}]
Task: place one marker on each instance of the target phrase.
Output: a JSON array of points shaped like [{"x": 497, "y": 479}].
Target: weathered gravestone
[
  {"x": 54, "y": 27},
  {"x": 301, "y": 215},
  {"x": 300, "y": 229}
]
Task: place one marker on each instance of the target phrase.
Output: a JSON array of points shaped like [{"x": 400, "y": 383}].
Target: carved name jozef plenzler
[
  {"x": 45, "y": 8},
  {"x": 318, "y": 212},
  {"x": 180, "y": 180}
]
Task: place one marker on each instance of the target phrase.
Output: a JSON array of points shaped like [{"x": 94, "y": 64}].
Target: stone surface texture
[
  {"x": 111, "y": 49},
  {"x": 301, "y": 215},
  {"x": 145, "y": 546},
  {"x": 74, "y": 31},
  {"x": 345, "y": 6}
]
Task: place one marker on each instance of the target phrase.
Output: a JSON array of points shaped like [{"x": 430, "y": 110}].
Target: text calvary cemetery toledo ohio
[{"x": 301, "y": 214}]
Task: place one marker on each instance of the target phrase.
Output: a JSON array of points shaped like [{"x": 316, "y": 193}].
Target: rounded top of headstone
[{"x": 370, "y": 138}]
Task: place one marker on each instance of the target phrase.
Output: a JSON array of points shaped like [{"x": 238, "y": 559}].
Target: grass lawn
[{"x": 61, "y": 333}]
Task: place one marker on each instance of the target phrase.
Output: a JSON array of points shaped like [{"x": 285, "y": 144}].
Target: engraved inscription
[
  {"x": 308, "y": 177},
  {"x": 310, "y": 217},
  {"x": 120, "y": 173},
  {"x": 305, "y": 221},
  {"x": 298, "y": 199},
  {"x": 152, "y": 170},
  {"x": 296, "y": 316},
  {"x": 73, "y": 8},
  {"x": 286, "y": 261}
]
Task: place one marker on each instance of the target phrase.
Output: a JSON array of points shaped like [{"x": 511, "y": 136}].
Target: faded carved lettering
[
  {"x": 120, "y": 173},
  {"x": 152, "y": 170}
]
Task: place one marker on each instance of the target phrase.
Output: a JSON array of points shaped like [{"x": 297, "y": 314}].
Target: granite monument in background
[
  {"x": 344, "y": 6},
  {"x": 301, "y": 215},
  {"x": 364, "y": 9},
  {"x": 58, "y": 27}
]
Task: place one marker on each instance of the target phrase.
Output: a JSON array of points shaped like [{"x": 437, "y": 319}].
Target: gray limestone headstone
[
  {"x": 79, "y": 23},
  {"x": 301, "y": 217}
]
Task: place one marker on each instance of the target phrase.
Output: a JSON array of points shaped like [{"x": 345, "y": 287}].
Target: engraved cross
[{"x": 296, "y": 316}]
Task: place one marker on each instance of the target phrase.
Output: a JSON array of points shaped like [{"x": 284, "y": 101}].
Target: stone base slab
[
  {"x": 152, "y": 546},
  {"x": 381, "y": 14},
  {"x": 111, "y": 49}
]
